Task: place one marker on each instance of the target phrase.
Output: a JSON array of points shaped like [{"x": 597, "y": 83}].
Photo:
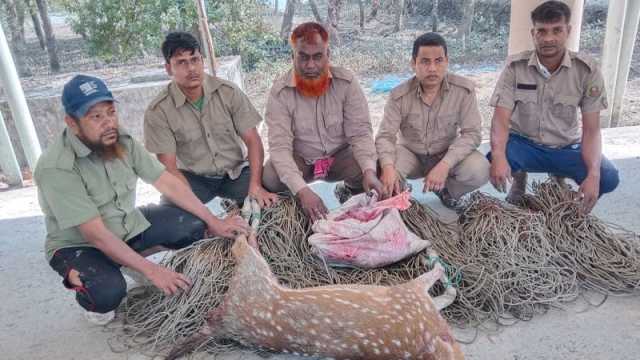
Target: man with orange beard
[{"x": 318, "y": 126}]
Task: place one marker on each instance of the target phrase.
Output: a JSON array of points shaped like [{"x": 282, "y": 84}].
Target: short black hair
[
  {"x": 551, "y": 11},
  {"x": 179, "y": 41},
  {"x": 428, "y": 39}
]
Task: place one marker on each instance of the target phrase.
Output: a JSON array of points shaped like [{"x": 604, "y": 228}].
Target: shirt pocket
[
  {"x": 333, "y": 122},
  {"x": 411, "y": 127},
  {"x": 528, "y": 112},
  {"x": 303, "y": 122},
  {"x": 565, "y": 107},
  {"x": 187, "y": 134},
  {"x": 446, "y": 128}
]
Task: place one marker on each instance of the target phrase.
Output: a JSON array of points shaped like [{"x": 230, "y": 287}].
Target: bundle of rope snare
[
  {"x": 508, "y": 267},
  {"x": 155, "y": 322},
  {"x": 607, "y": 257}
]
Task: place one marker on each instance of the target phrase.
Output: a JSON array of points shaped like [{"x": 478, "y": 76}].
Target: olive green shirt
[
  {"x": 76, "y": 185},
  {"x": 545, "y": 105},
  {"x": 206, "y": 142}
]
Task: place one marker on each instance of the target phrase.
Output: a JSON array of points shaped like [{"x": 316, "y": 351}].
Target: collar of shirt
[
  {"x": 443, "y": 88},
  {"x": 534, "y": 61},
  {"x": 209, "y": 85}
]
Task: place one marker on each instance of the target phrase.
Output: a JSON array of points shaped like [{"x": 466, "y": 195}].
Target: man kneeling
[
  {"x": 86, "y": 187},
  {"x": 436, "y": 115},
  {"x": 319, "y": 126}
]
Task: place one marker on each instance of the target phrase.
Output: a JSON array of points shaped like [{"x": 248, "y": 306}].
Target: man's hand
[
  {"x": 370, "y": 181},
  {"x": 262, "y": 196},
  {"x": 390, "y": 180},
  {"x": 500, "y": 173},
  {"x": 436, "y": 178},
  {"x": 589, "y": 191},
  {"x": 312, "y": 204},
  {"x": 169, "y": 281},
  {"x": 229, "y": 227}
]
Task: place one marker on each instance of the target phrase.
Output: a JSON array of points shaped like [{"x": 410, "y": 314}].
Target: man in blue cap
[{"x": 86, "y": 187}]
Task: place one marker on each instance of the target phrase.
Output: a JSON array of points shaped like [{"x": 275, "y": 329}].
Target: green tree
[{"x": 121, "y": 29}]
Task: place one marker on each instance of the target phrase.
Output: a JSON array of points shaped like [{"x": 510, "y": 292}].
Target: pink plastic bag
[{"x": 366, "y": 233}]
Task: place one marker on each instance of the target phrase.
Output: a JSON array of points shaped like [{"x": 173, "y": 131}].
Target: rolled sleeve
[
  {"x": 387, "y": 135},
  {"x": 67, "y": 197},
  {"x": 244, "y": 115},
  {"x": 503, "y": 94},
  {"x": 357, "y": 127},
  {"x": 145, "y": 165},
  {"x": 470, "y": 132},
  {"x": 280, "y": 138},
  {"x": 594, "y": 96},
  {"x": 158, "y": 136}
]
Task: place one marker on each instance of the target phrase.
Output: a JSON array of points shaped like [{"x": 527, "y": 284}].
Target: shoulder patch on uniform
[
  {"x": 159, "y": 98},
  {"x": 594, "y": 90},
  {"x": 461, "y": 81},
  {"x": 342, "y": 73},
  {"x": 584, "y": 58},
  {"x": 404, "y": 88}
]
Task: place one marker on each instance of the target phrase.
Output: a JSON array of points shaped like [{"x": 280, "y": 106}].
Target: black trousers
[{"x": 103, "y": 285}]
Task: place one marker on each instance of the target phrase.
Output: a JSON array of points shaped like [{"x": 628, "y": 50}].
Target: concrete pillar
[
  {"x": 520, "y": 25},
  {"x": 8, "y": 161},
  {"x": 632, "y": 16},
  {"x": 611, "y": 51},
  {"x": 18, "y": 104}
]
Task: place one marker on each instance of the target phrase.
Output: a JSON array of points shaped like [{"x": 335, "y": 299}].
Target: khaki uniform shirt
[
  {"x": 545, "y": 107},
  {"x": 317, "y": 127},
  {"x": 451, "y": 125},
  {"x": 75, "y": 185},
  {"x": 206, "y": 142}
]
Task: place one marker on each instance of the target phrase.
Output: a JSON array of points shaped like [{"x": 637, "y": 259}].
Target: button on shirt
[
  {"x": 545, "y": 107},
  {"x": 205, "y": 142},
  {"x": 450, "y": 125},
  {"x": 76, "y": 185}
]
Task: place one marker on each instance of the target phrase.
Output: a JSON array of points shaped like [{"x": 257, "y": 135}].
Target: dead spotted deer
[{"x": 340, "y": 322}]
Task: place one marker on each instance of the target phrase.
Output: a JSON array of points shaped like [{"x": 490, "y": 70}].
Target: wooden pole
[{"x": 205, "y": 34}]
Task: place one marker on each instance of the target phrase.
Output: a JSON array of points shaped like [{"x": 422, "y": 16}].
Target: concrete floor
[{"x": 40, "y": 320}]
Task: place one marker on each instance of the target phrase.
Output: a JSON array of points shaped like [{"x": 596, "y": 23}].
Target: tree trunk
[
  {"x": 20, "y": 10},
  {"x": 434, "y": 16},
  {"x": 361, "y": 7},
  {"x": 287, "y": 20},
  {"x": 467, "y": 20},
  {"x": 333, "y": 12},
  {"x": 375, "y": 6},
  {"x": 315, "y": 11},
  {"x": 275, "y": 7},
  {"x": 17, "y": 36},
  {"x": 54, "y": 63},
  {"x": 37, "y": 27},
  {"x": 399, "y": 15},
  {"x": 17, "y": 43}
]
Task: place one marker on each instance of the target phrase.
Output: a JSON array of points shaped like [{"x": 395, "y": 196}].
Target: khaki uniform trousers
[
  {"x": 468, "y": 175},
  {"x": 344, "y": 167}
]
